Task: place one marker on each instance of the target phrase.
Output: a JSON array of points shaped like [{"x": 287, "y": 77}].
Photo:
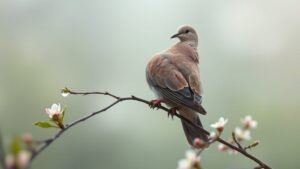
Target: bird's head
[{"x": 186, "y": 33}]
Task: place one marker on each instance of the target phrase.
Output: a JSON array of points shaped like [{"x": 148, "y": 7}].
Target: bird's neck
[
  {"x": 193, "y": 44},
  {"x": 187, "y": 48}
]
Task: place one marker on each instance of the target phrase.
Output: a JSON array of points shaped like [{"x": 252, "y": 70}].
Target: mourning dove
[{"x": 174, "y": 77}]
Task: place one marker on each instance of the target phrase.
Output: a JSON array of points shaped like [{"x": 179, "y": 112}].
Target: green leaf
[
  {"x": 44, "y": 124},
  {"x": 15, "y": 146}
]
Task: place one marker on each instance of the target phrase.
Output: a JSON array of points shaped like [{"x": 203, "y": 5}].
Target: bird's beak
[{"x": 176, "y": 35}]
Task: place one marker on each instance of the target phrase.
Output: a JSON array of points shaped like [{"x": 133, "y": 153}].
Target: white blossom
[
  {"x": 219, "y": 125},
  {"x": 192, "y": 156},
  {"x": 190, "y": 160},
  {"x": 222, "y": 147},
  {"x": 248, "y": 122},
  {"x": 23, "y": 159},
  {"x": 242, "y": 134},
  {"x": 54, "y": 110}
]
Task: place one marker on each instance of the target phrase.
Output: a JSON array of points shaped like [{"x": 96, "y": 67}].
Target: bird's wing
[{"x": 170, "y": 83}]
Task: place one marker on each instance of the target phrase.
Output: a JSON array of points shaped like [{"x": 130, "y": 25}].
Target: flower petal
[{"x": 183, "y": 164}]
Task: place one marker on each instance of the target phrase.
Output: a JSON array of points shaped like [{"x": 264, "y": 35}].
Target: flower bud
[
  {"x": 27, "y": 138},
  {"x": 199, "y": 143}
]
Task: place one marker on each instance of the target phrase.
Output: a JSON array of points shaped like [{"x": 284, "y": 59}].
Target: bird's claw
[
  {"x": 155, "y": 103},
  {"x": 172, "y": 112}
]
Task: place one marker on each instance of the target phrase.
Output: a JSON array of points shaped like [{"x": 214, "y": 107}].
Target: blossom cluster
[
  {"x": 192, "y": 160},
  {"x": 240, "y": 133},
  {"x": 20, "y": 152},
  {"x": 21, "y": 148}
]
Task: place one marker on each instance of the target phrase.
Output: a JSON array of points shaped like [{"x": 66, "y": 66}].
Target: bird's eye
[{"x": 187, "y": 31}]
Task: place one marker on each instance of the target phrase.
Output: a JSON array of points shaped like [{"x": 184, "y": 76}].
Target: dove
[{"x": 173, "y": 75}]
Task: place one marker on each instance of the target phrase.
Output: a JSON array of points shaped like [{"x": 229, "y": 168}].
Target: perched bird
[{"x": 174, "y": 77}]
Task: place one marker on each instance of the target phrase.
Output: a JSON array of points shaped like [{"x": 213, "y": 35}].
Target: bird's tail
[{"x": 192, "y": 132}]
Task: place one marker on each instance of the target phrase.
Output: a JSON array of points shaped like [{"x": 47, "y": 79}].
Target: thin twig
[
  {"x": 98, "y": 93},
  {"x": 252, "y": 145},
  {"x": 133, "y": 98},
  {"x": 48, "y": 142},
  {"x": 235, "y": 140}
]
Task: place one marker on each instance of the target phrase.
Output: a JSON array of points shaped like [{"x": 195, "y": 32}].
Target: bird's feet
[
  {"x": 172, "y": 112},
  {"x": 155, "y": 103}
]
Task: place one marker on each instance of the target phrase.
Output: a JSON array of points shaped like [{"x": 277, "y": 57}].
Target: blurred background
[{"x": 249, "y": 53}]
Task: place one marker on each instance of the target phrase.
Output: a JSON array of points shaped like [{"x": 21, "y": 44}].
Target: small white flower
[
  {"x": 242, "y": 134},
  {"x": 192, "y": 156},
  {"x": 190, "y": 160},
  {"x": 219, "y": 125},
  {"x": 54, "y": 110},
  {"x": 222, "y": 147},
  {"x": 248, "y": 122},
  {"x": 183, "y": 164},
  {"x": 23, "y": 159}
]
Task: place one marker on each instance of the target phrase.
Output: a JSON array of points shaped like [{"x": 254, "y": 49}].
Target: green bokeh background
[{"x": 249, "y": 65}]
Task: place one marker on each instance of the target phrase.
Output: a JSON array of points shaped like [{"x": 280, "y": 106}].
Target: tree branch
[{"x": 48, "y": 142}]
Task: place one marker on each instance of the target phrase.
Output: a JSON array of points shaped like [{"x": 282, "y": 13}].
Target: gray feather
[
  {"x": 185, "y": 97},
  {"x": 192, "y": 132}
]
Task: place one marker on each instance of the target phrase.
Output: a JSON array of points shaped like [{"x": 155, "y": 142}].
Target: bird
[{"x": 174, "y": 76}]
